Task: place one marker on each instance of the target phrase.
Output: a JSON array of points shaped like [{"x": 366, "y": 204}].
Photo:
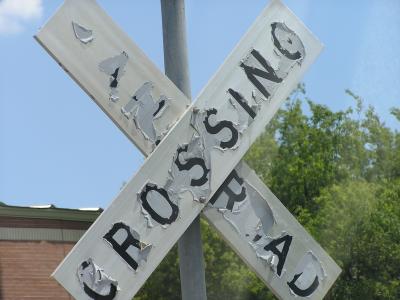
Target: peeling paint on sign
[
  {"x": 190, "y": 171},
  {"x": 249, "y": 213},
  {"x": 251, "y": 217},
  {"x": 290, "y": 51},
  {"x": 273, "y": 250},
  {"x": 246, "y": 112},
  {"x": 83, "y": 34},
  {"x": 126, "y": 242},
  {"x": 221, "y": 123},
  {"x": 219, "y": 133},
  {"x": 157, "y": 205},
  {"x": 95, "y": 282},
  {"x": 229, "y": 193},
  {"x": 287, "y": 41},
  {"x": 308, "y": 275},
  {"x": 114, "y": 67},
  {"x": 144, "y": 110},
  {"x": 261, "y": 208},
  {"x": 244, "y": 208}
]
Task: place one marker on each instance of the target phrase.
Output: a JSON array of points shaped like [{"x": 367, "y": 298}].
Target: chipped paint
[
  {"x": 114, "y": 67},
  {"x": 289, "y": 50},
  {"x": 83, "y": 34},
  {"x": 220, "y": 133},
  {"x": 158, "y": 205},
  {"x": 125, "y": 205},
  {"x": 273, "y": 250},
  {"x": 144, "y": 110},
  {"x": 249, "y": 213},
  {"x": 261, "y": 208},
  {"x": 230, "y": 192},
  {"x": 287, "y": 42},
  {"x": 308, "y": 275},
  {"x": 190, "y": 170},
  {"x": 95, "y": 282},
  {"x": 126, "y": 242},
  {"x": 250, "y": 216},
  {"x": 148, "y": 218},
  {"x": 247, "y": 113}
]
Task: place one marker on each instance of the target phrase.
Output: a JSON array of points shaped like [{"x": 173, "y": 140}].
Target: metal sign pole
[{"x": 190, "y": 249}]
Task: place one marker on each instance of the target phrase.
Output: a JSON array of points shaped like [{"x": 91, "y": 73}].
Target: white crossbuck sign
[{"x": 196, "y": 165}]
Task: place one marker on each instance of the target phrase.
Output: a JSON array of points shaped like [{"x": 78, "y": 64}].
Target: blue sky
[{"x": 57, "y": 147}]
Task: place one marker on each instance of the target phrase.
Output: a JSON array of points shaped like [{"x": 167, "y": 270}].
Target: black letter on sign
[
  {"x": 122, "y": 248},
  {"x": 114, "y": 76},
  {"x": 306, "y": 292},
  {"x": 191, "y": 162},
  {"x": 224, "y": 188},
  {"x": 287, "y": 239},
  {"x": 146, "y": 205},
  {"x": 289, "y": 37},
  {"x": 240, "y": 99},
  {"x": 268, "y": 74},
  {"x": 220, "y": 126},
  {"x": 92, "y": 294}
]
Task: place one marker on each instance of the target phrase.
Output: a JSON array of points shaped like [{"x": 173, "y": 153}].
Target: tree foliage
[
  {"x": 339, "y": 174},
  {"x": 359, "y": 225}
]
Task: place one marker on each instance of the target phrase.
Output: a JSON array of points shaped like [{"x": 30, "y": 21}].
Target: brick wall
[{"x": 26, "y": 266}]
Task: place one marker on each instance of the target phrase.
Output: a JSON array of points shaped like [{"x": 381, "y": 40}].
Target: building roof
[{"x": 50, "y": 211}]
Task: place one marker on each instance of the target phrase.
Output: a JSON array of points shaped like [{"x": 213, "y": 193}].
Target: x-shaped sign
[{"x": 196, "y": 164}]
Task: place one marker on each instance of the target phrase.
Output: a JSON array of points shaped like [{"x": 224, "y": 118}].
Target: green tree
[
  {"x": 339, "y": 174},
  {"x": 308, "y": 152},
  {"x": 164, "y": 283},
  {"x": 359, "y": 225}
]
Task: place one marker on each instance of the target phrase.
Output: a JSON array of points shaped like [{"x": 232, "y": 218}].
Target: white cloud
[{"x": 14, "y": 13}]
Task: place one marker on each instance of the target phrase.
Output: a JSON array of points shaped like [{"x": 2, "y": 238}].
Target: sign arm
[{"x": 154, "y": 209}]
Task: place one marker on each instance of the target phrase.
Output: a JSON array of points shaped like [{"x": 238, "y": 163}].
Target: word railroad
[{"x": 195, "y": 149}]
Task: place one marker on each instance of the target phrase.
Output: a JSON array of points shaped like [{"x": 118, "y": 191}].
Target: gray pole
[{"x": 176, "y": 68}]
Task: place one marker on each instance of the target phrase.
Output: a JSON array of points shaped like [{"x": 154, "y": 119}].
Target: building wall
[
  {"x": 25, "y": 268},
  {"x": 26, "y": 265}
]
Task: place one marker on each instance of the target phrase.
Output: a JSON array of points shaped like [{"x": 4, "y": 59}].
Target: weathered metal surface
[
  {"x": 249, "y": 84},
  {"x": 258, "y": 221},
  {"x": 110, "y": 68}
]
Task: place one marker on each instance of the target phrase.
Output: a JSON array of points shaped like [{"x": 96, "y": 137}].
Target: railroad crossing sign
[{"x": 196, "y": 164}]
